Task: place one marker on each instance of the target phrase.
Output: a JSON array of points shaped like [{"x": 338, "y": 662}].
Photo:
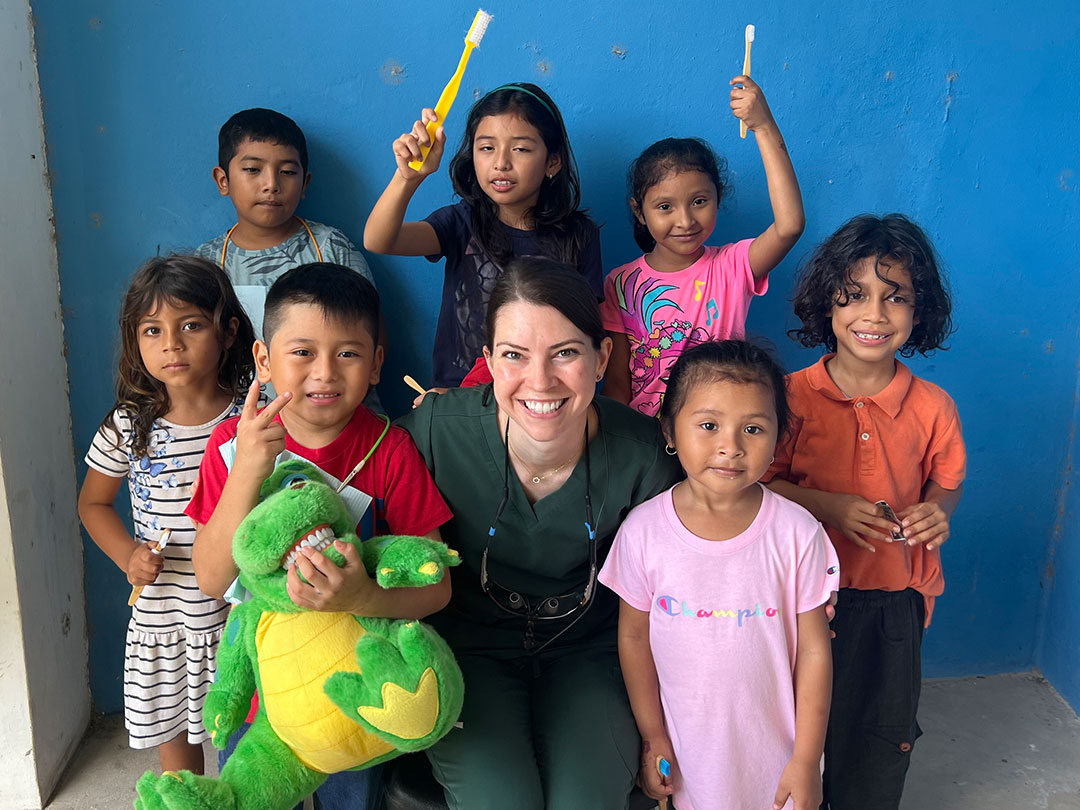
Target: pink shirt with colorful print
[{"x": 662, "y": 314}]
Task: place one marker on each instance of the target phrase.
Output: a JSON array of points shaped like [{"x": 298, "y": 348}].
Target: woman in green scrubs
[{"x": 539, "y": 473}]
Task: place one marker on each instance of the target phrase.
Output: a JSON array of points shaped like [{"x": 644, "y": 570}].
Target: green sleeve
[
  {"x": 662, "y": 474},
  {"x": 418, "y": 422}
]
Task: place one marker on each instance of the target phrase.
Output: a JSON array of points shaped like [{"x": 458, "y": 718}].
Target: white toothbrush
[{"x": 746, "y": 70}]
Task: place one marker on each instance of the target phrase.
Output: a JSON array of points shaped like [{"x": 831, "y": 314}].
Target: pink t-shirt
[
  {"x": 723, "y": 628},
  {"x": 662, "y": 314}
]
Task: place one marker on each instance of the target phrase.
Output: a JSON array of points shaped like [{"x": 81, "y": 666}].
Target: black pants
[{"x": 877, "y": 676}]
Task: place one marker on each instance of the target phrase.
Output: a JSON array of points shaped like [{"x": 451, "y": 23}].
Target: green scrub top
[{"x": 539, "y": 549}]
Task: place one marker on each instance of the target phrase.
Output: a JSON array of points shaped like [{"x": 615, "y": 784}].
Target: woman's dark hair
[
  {"x": 561, "y": 228},
  {"x": 894, "y": 240},
  {"x": 543, "y": 282},
  {"x": 176, "y": 280},
  {"x": 737, "y": 361},
  {"x": 660, "y": 160}
]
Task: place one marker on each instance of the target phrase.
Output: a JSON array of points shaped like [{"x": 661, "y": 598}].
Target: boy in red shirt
[{"x": 322, "y": 355}]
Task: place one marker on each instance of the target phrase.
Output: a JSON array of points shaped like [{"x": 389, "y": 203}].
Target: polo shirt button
[
  {"x": 865, "y": 437},
  {"x": 859, "y": 404}
]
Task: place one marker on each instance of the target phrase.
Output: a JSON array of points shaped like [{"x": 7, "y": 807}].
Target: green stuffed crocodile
[{"x": 336, "y": 691}]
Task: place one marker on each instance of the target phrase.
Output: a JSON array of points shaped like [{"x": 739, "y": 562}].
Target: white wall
[
  {"x": 44, "y": 698},
  {"x": 19, "y": 787}
]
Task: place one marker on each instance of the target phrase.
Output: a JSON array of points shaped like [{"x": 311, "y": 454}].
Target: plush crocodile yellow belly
[{"x": 297, "y": 653}]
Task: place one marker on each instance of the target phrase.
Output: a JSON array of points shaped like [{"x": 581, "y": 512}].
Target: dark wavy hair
[
  {"x": 737, "y": 361},
  {"x": 544, "y": 282},
  {"x": 561, "y": 226},
  {"x": 176, "y": 280},
  {"x": 660, "y": 160},
  {"x": 825, "y": 280}
]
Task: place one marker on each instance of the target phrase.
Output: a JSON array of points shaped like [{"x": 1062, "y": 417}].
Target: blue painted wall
[
  {"x": 966, "y": 121},
  {"x": 1059, "y": 638}
]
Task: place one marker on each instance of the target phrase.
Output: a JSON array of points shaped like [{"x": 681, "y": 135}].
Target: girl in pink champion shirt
[
  {"x": 723, "y": 636},
  {"x": 681, "y": 291}
]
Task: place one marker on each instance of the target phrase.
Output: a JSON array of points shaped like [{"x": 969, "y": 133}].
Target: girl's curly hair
[
  {"x": 826, "y": 278},
  {"x": 176, "y": 279}
]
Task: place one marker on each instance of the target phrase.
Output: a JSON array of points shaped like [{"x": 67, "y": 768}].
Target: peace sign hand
[{"x": 260, "y": 439}]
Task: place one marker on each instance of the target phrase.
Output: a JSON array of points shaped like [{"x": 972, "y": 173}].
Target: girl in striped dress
[{"x": 185, "y": 363}]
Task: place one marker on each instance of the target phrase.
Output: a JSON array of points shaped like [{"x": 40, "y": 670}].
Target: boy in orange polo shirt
[{"x": 867, "y": 431}]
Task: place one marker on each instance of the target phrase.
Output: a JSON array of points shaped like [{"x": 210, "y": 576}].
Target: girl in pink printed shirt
[
  {"x": 682, "y": 292},
  {"x": 723, "y": 637}
]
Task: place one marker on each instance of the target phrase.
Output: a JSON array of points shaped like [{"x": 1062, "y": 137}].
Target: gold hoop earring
[{"x": 671, "y": 451}]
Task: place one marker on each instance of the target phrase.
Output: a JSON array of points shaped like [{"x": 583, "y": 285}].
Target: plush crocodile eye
[{"x": 294, "y": 481}]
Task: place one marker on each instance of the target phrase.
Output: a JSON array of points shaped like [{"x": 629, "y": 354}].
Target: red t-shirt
[
  {"x": 479, "y": 374},
  {"x": 405, "y": 499}
]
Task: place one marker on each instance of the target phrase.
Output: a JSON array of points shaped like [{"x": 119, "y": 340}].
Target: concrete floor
[
  {"x": 1003, "y": 743},
  {"x": 1007, "y": 742}
]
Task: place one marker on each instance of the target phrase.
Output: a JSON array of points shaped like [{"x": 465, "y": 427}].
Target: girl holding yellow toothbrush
[{"x": 520, "y": 196}]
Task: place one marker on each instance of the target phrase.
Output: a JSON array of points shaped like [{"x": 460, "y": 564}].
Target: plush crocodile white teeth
[
  {"x": 319, "y": 538},
  {"x": 544, "y": 405}
]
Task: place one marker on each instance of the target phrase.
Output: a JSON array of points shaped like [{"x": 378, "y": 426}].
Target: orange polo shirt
[{"x": 883, "y": 448}]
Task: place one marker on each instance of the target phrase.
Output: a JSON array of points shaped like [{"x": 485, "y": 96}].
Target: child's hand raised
[
  {"x": 144, "y": 565},
  {"x": 857, "y": 518},
  {"x": 925, "y": 523},
  {"x": 408, "y": 147},
  {"x": 748, "y": 104},
  {"x": 259, "y": 438}
]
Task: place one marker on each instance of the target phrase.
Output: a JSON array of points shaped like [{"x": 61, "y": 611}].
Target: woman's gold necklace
[{"x": 536, "y": 479}]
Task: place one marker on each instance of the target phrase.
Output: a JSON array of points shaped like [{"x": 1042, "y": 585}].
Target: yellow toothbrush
[
  {"x": 745, "y": 70},
  {"x": 449, "y": 93}
]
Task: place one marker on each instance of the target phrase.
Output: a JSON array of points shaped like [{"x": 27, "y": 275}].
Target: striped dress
[{"x": 174, "y": 630}]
